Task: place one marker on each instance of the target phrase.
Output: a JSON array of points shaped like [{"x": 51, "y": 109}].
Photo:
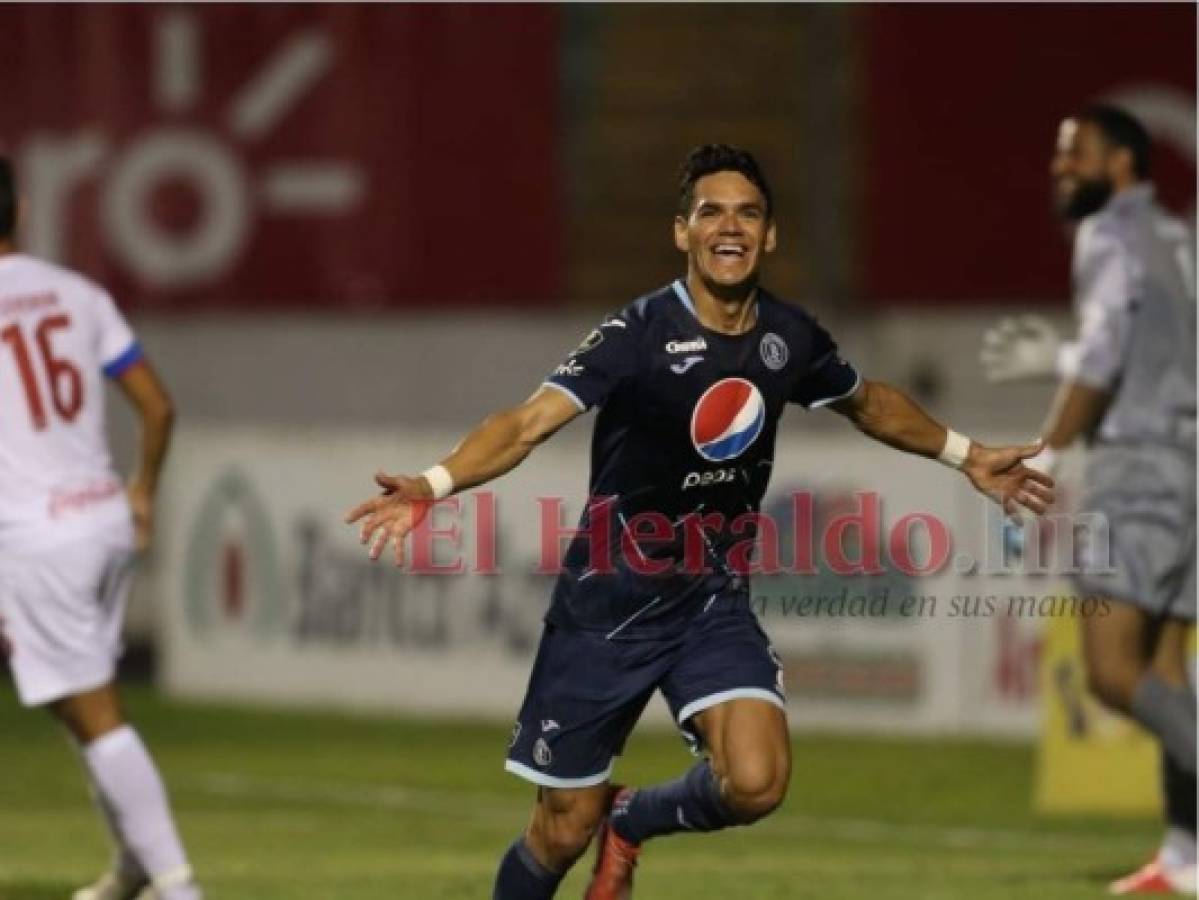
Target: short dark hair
[
  {"x": 710, "y": 158},
  {"x": 1120, "y": 129},
  {"x": 8, "y": 200}
]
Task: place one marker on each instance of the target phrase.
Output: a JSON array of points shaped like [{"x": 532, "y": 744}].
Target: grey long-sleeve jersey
[{"x": 1134, "y": 299}]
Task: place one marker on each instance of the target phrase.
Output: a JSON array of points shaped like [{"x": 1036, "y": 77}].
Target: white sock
[
  {"x": 124, "y": 863},
  {"x": 130, "y": 787},
  {"x": 1178, "y": 849}
]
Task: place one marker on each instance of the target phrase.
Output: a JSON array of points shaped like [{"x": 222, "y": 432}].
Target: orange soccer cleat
[
  {"x": 615, "y": 858},
  {"x": 1156, "y": 878}
]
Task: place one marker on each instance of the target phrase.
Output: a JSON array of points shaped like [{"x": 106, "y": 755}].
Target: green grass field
[{"x": 278, "y": 805}]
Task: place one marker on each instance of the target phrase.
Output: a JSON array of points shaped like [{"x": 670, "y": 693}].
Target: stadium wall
[
  {"x": 439, "y": 368},
  {"x": 266, "y": 596}
]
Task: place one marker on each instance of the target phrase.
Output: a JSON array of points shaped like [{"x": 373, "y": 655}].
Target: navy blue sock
[
  {"x": 690, "y": 803},
  {"x": 1179, "y": 788},
  {"x": 522, "y": 877}
]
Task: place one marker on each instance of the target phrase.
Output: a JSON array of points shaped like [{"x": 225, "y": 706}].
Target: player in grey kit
[{"x": 1128, "y": 388}]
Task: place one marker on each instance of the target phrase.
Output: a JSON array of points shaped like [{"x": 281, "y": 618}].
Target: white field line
[
  {"x": 346, "y": 794},
  {"x": 491, "y": 808}
]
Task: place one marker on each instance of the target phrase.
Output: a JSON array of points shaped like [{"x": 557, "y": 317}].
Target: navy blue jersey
[{"x": 682, "y": 451}]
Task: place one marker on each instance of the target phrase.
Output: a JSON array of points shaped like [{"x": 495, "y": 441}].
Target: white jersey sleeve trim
[
  {"x": 825, "y": 401},
  {"x": 568, "y": 392}
]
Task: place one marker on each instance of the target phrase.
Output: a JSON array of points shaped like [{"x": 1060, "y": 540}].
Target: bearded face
[
  {"x": 1081, "y": 170},
  {"x": 1083, "y": 197}
]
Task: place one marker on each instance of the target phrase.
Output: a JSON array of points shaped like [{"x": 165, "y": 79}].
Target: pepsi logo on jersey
[
  {"x": 709, "y": 478},
  {"x": 727, "y": 418}
]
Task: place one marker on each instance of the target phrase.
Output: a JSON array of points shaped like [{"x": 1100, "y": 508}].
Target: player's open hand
[
  {"x": 405, "y": 501},
  {"x": 1001, "y": 474}
]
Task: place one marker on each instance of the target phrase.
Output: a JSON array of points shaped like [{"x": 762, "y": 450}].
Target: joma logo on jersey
[
  {"x": 727, "y": 419},
  {"x": 692, "y": 346},
  {"x": 681, "y": 368}
]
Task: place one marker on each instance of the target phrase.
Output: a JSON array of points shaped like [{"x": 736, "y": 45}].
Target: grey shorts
[{"x": 1146, "y": 554}]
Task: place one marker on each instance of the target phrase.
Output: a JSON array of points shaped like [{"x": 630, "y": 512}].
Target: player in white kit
[
  {"x": 1128, "y": 388},
  {"x": 68, "y": 532}
]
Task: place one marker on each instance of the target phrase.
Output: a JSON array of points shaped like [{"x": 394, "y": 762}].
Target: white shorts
[{"x": 61, "y": 612}]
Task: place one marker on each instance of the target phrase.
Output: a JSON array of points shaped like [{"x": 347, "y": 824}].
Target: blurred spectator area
[
  {"x": 408, "y": 214},
  {"x": 370, "y": 159},
  {"x": 644, "y": 83},
  {"x": 909, "y": 145}
]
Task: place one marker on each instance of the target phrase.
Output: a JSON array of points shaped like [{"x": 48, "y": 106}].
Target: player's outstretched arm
[
  {"x": 888, "y": 415},
  {"x": 156, "y": 414},
  {"x": 495, "y": 447},
  {"x": 1076, "y": 411}
]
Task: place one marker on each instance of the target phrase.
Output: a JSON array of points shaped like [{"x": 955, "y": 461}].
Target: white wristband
[
  {"x": 957, "y": 447},
  {"x": 440, "y": 481}
]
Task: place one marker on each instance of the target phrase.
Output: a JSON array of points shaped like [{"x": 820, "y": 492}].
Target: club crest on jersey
[
  {"x": 727, "y": 419},
  {"x": 774, "y": 351}
]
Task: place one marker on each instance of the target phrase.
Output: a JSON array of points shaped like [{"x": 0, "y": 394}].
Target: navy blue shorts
[{"x": 586, "y": 692}]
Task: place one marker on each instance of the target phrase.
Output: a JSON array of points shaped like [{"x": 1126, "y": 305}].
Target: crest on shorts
[
  {"x": 780, "y": 682},
  {"x": 541, "y": 753}
]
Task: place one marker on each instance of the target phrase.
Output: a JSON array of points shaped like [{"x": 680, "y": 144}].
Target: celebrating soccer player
[
  {"x": 68, "y": 529},
  {"x": 1128, "y": 387},
  {"x": 690, "y": 382}
]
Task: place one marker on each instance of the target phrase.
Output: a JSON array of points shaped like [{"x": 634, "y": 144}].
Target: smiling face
[{"x": 726, "y": 232}]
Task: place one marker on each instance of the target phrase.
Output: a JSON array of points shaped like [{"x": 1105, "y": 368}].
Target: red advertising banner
[
  {"x": 289, "y": 156},
  {"x": 962, "y": 104}
]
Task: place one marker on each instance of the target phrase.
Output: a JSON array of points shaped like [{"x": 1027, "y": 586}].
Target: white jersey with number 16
[{"x": 59, "y": 334}]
